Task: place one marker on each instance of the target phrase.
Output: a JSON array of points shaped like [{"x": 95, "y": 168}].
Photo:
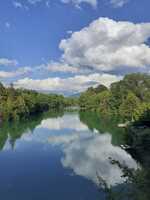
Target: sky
[{"x": 66, "y": 46}]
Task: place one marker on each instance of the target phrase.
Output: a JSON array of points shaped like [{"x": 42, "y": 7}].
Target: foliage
[
  {"x": 128, "y": 98},
  {"x": 16, "y": 104},
  {"x": 71, "y": 101},
  {"x": 130, "y": 107},
  {"x": 89, "y": 100}
]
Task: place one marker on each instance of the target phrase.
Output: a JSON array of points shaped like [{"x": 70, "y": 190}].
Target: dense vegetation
[
  {"x": 128, "y": 98},
  {"x": 16, "y": 104}
]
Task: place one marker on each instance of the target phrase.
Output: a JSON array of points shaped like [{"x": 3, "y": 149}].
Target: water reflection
[
  {"x": 68, "y": 121},
  {"x": 89, "y": 154},
  {"x": 11, "y": 132},
  {"x": 85, "y": 143},
  {"x": 103, "y": 125}
]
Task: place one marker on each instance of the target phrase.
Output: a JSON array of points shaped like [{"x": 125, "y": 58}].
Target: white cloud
[
  {"x": 118, "y": 3},
  {"x": 25, "y": 4},
  {"x": 108, "y": 45},
  {"x": 34, "y": 1},
  {"x": 60, "y": 67},
  {"x": 17, "y": 4},
  {"x": 24, "y": 70},
  {"x": 5, "y": 74},
  {"x": 94, "y": 3},
  {"x": 8, "y": 62},
  {"x": 63, "y": 67},
  {"x": 74, "y": 84},
  {"x": 77, "y": 3},
  {"x": 11, "y": 74},
  {"x": 69, "y": 32}
]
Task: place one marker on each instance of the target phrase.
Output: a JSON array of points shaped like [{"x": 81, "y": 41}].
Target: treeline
[
  {"x": 128, "y": 98},
  {"x": 16, "y": 104}
]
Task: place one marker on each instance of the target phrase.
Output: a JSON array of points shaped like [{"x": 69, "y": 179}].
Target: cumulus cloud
[
  {"x": 60, "y": 67},
  {"x": 108, "y": 45},
  {"x": 8, "y": 62},
  {"x": 64, "y": 67},
  {"x": 74, "y": 84}
]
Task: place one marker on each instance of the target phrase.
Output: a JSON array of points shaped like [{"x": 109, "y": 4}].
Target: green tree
[
  {"x": 104, "y": 102},
  {"x": 130, "y": 107}
]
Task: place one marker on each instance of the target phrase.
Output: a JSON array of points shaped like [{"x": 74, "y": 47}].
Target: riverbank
[{"x": 17, "y": 104}]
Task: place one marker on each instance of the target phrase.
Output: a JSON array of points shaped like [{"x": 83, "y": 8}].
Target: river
[{"x": 58, "y": 156}]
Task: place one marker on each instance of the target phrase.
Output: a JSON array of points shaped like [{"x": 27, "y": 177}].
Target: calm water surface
[{"x": 58, "y": 156}]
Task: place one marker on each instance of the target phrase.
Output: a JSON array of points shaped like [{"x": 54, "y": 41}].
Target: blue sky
[{"x": 66, "y": 46}]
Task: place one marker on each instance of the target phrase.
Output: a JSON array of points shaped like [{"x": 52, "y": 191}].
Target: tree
[
  {"x": 129, "y": 109},
  {"x": 16, "y": 104},
  {"x": 104, "y": 101}
]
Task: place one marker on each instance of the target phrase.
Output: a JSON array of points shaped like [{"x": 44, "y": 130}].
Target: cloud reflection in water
[
  {"x": 88, "y": 153},
  {"x": 66, "y": 122}
]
